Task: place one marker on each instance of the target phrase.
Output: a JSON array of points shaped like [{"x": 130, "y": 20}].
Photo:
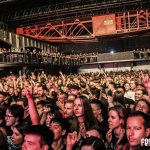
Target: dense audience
[
  {"x": 108, "y": 111},
  {"x": 43, "y": 56}
]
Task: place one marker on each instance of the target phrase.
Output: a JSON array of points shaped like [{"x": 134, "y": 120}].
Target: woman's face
[
  {"x": 113, "y": 121},
  {"x": 96, "y": 110},
  {"x": 142, "y": 106},
  {"x": 17, "y": 137},
  {"x": 78, "y": 108}
]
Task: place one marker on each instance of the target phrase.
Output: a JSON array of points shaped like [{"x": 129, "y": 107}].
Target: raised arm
[
  {"x": 146, "y": 82},
  {"x": 35, "y": 119}
]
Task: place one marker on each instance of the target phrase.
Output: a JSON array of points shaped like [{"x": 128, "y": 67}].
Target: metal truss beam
[
  {"x": 82, "y": 30},
  {"x": 78, "y": 9}
]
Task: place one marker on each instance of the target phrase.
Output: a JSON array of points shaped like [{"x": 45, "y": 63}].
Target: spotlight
[{"x": 112, "y": 52}]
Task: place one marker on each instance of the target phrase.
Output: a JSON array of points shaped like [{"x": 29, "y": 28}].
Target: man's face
[
  {"x": 32, "y": 142},
  {"x": 135, "y": 130},
  {"x": 10, "y": 119},
  {"x": 68, "y": 109},
  {"x": 74, "y": 91},
  {"x": 40, "y": 91},
  {"x": 142, "y": 106},
  {"x": 132, "y": 85},
  {"x": 138, "y": 94}
]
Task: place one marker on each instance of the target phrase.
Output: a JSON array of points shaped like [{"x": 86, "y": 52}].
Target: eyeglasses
[
  {"x": 8, "y": 117},
  {"x": 142, "y": 106}
]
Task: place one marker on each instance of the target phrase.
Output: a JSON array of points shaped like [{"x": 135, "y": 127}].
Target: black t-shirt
[
  {"x": 26, "y": 121},
  {"x": 113, "y": 144}
]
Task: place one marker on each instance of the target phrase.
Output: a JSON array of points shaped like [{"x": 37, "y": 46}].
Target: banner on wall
[{"x": 104, "y": 25}]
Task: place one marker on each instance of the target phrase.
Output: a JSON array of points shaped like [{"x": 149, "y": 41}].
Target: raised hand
[
  {"x": 146, "y": 82},
  {"x": 71, "y": 140},
  {"x": 109, "y": 135},
  {"x": 122, "y": 131}
]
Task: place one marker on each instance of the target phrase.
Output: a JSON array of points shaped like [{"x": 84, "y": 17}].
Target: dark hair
[
  {"x": 55, "y": 111},
  {"x": 89, "y": 119},
  {"x": 118, "y": 97},
  {"x": 2, "y": 114},
  {"x": 44, "y": 132},
  {"x": 82, "y": 84},
  {"x": 100, "y": 105},
  {"x": 95, "y": 142},
  {"x": 17, "y": 111},
  {"x": 144, "y": 100},
  {"x": 145, "y": 117},
  {"x": 3, "y": 140},
  {"x": 3, "y": 93},
  {"x": 75, "y": 86},
  {"x": 61, "y": 121},
  {"x": 54, "y": 94},
  {"x": 95, "y": 92},
  {"x": 41, "y": 102},
  {"x": 21, "y": 128}
]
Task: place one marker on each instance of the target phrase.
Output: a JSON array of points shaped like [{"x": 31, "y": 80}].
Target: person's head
[
  {"x": 140, "y": 86},
  {"x": 11, "y": 91},
  {"x": 14, "y": 115},
  {"x": 23, "y": 92},
  {"x": 99, "y": 110},
  {"x": 40, "y": 106},
  {"x": 40, "y": 91},
  {"x": 75, "y": 89},
  {"x": 92, "y": 143},
  {"x": 116, "y": 117},
  {"x": 59, "y": 128},
  {"x": 83, "y": 110},
  {"x": 71, "y": 97},
  {"x": 68, "y": 109},
  {"x": 138, "y": 94},
  {"x": 132, "y": 85},
  {"x": 37, "y": 137},
  {"x": 17, "y": 136},
  {"x": 118, "y": 97},
  {"x": 95, "y": 93},
  {"x": 2, "y": 116},
  {"x": 62, "y": 96},
  {"x": 142, "y": 105},
  {"x": 137, "y": 127},
  {"x": 127, "y": 86},
  {"x": 111, "y": 86},
  {"x": 120, "y": 89},
  {"x": 3, "y": 139},
  {"x": 2, "y": 97},
  {"x": 94, "y": 132},
  {"x": 53, "y": 113},
  {"x": 82, "y": 84}
]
